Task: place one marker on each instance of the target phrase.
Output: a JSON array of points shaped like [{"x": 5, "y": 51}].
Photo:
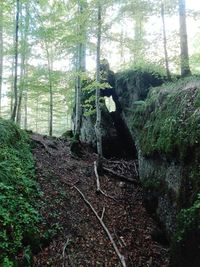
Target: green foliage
[
  {"x": 188, "y": 219},
  {"x": 7, "y": 263},
  {"x": 18, "y": 216},
  {"x": 187, "y": 238},
  {"x": 168, "y": 121},
  {"x": 89, "y": 96},
  {"x": 143, "y": 66}
]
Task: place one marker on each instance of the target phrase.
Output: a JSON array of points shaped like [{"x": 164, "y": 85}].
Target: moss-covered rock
[
  {"x": 134, "y": 85},
  {"x": 166, "y": 128},
  {"x": 169, "y": 120}
]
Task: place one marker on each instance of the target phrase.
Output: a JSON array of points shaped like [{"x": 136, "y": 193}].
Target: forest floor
[{"x": 77, "y": 237}]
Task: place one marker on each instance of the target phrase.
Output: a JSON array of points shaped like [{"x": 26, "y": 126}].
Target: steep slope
[{"x": 78, "y": 238}]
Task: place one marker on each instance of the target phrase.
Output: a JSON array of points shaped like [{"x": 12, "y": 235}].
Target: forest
[{"x": 99, "y": 133}]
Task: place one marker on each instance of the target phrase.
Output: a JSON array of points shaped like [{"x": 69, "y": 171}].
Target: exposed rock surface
[{"x": 164, "y": 125}]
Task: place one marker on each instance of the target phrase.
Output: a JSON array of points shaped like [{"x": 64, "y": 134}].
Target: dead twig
[
  {"x": 64, "y": 249},
  {"x": 120, "y": 256},
  {"x": 121, "y": 245},
  {"x": 99, "y": 190},
  {"x": 102, "y": 214},
  {"x": 73, "y": 184},
  {"x": 97, "y": 178},
  {"x": 122, "y": 177}
]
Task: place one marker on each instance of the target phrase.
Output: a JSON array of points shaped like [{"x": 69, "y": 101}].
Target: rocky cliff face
[
  {"x": 163, "y": 122},
  {"x": 166, "y": 131}
]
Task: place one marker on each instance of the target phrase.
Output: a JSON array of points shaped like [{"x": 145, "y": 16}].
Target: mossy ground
[{"x": 18, "y": 190}]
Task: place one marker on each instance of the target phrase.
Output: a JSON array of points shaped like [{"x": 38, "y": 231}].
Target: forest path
[{"x": 77, "y": 238}]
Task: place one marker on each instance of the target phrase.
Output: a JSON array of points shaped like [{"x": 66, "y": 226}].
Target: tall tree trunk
[
  {"x": 13, "y": 116},
  {"x": 139, "y": 39},
  {"x": 121, "y": 46},
  {"x": 185, "y": 68},
  {"x": 26, "y": 110},
  {"x": 23, "y": 73},
  {"x": 1, "y": 52},
  {"x": 50, "y": 69},
  {"x": 165, "y": 42},
  {"x": 37, "y": 114},
  {"x": 51, "y": 108},
  {"x": 97, "y": 101},
  {"x": 81, "y": 67}
]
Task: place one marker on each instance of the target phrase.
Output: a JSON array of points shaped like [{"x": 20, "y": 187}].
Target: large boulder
[{"x": 166, "y": 128}]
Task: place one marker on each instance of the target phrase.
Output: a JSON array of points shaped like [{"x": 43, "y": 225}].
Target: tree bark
[
  {"x": 165, "y": 42},
  {"x": 97, "y": 100},
  {"x": 50, "y": 69},
  {"x": 13, "y": 116},
  {"x": 139, "y": 39},
  {"x": 23, "y": 74},
  {"x": 185, "y": 68},
  {"x": 81, "y": 67},
  {"x": 26, "y": 110},
  {"x": 1, "y": 53}
]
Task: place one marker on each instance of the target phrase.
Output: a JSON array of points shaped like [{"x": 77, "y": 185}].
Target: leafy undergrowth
[
  {"x": 77, "y": 238},
  {"x": 18, "y": 190}
]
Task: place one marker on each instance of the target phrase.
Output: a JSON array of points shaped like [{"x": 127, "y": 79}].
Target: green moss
[
  {"x": 18, "y": 190},
  {"x": 187, "y": 239},
  {"x": 168, "y": 122},
  {"x": 167, "y": 125}
]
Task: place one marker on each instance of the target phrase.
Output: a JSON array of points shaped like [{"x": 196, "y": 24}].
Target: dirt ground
[{"x": 77, "y": 239}]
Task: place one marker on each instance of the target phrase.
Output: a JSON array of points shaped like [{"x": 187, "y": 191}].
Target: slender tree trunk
[
  {"x": 122, "y": 59},
  {"x": 185, "y": 68},
  {"x": 37, "y": 114},
  {"x": 1, "y": 52},
  {"x": 165, "y": 42},
  {"x": 23, "y": 73},
  {"x": 98, "y": 108},
  {"x": 81, "y": 53},
  {"x": 78, "y": 97},
  {"x": 50, "y": 69},
  {"x": 51, "y": 108},
  {"x": 13, "y": 116},
  {"x": 139, "y": 39},
  {"x": 19, "y": 102},
  {"x": 25, "y": 110},
  {"x": 12, "y": 87}
]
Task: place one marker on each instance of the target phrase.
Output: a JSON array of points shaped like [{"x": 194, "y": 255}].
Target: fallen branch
[
  {"x": 97, "y": 177},
  {"x": 99, "y": 190},
  {"x": 122, "y": 177},
  {"x": 71, "y": 185},
  {"x": 102, "y": 214},
  {"x": 120, "y": 256}
]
